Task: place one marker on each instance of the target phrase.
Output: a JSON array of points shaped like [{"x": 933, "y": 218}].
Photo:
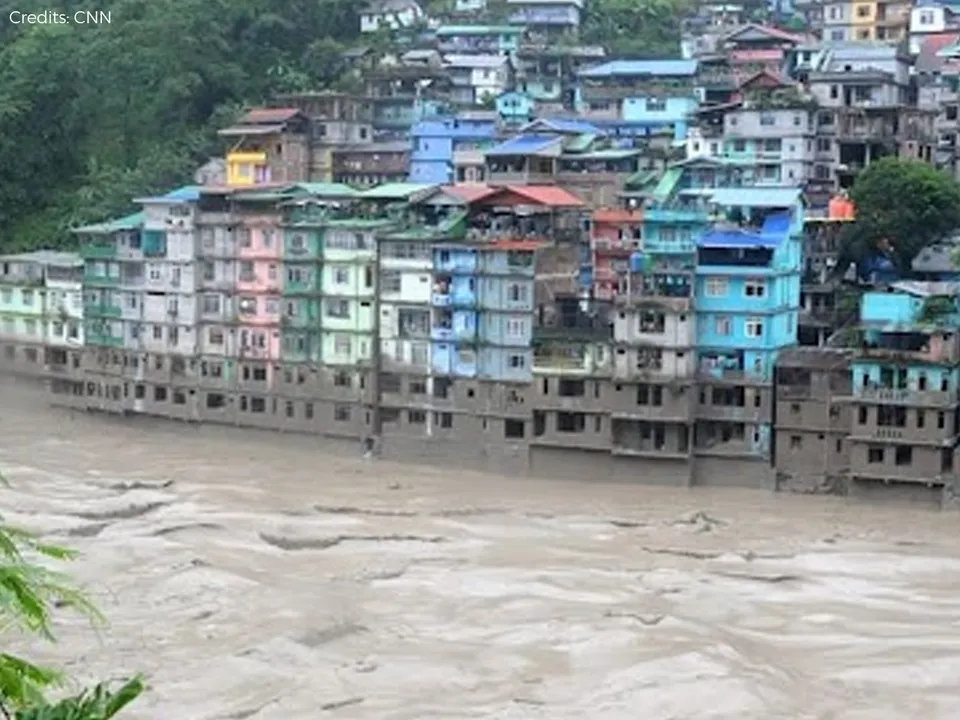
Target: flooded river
[{"x": 255, "y": 576}]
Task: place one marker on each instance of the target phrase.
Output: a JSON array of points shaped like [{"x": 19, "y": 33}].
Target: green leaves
[
  {"x": 29, "y": 593},
  {"x": 902, "y": 206}
]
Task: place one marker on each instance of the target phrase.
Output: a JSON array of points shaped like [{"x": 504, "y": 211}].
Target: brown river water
[{"x": 253, "y": 576}]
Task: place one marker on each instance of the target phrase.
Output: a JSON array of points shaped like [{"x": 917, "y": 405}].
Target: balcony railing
[{"x": 891, "y": 396}]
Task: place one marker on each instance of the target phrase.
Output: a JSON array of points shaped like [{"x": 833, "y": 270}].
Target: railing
[
  {"x": 677, "y": 216},
  {"x": 892, "y": 396}
]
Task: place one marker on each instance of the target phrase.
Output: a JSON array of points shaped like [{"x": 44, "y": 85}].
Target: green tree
[
  {"x": 638, "y": 28},
  {"x": 902, "y": 206},
  {"x": 29, "y": 592}
]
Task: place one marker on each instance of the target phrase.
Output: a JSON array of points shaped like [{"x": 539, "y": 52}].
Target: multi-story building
[
  {"x": 546, "y": 19},
  {"x": 905, "y": 398},
  {"x": 812, "y": 420},
  {"x": 371, "y": 164},
  {"x": 390, "y": 15},
  {"x": 929, "y": 19},
  {"x": 615, "y": 234},
  {"x": 479, "y": 39},
  {"x": 335, "y": 119},
  {"x": 268, "y": 145},
  {"x": 822, "y": 297},
  {"x": 478, "y": 79},
  {"x": 548, "y": 72},
  {"x": 937, "y": 72},
  {"x": 866, "y": 20},
  {"x": 867, "y": 110},
  {"x": 434, "y": 143},
  {"x": 747, "y": 307},
  {"x": 41, "y": 314},
  {"x": 651, "y": 93}
]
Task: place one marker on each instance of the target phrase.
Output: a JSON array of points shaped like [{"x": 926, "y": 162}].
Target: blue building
[
  {"x": 454, "y": 303},
  {"x": 505, "y": 320},
  {"x": 747, "y": 301},
  {"x": 434, "y": 142},
  {"x": 905, "y": 380},
  {"x": 644, "y": 95}
]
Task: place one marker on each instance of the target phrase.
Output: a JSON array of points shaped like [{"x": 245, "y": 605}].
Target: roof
[
  {"x": 773, "y": 232},
  {"x": 606, "y": 154},
  {"x": 766, "y": 54},
  {"x": 378, "y": 7},
  {"x": 448, "y": 30},
  {"x": 755, "y": 28},
  {"x": 269, "y": 115},
  {"x": 524, "y": 145},
  {"x": 514, "y": 245},
  {"x": 562, "y": 126},
  {"x": 251, "y": 130},
  {"x": 773, "y": 197},
  {"x": 929, "y": 58},
  {"x": 686, "y": 68},
  {"x": 545, "y": 195},
  {"x": 130, "y": 222},
  {"x": 188, "y": 193},
  {"x": 46, "y": 257},
  {"x": 469, "y": 193},
  {"x": 391, "y": 146},
  {"x": 395, "y": 191},
  {"x": 323, "y": 189},
  {"x": 936, "y": 258},
  {"x": 475, "y": 61},
  {"x": 814, "y": 358},
  {"x": 926, "y": 289}
]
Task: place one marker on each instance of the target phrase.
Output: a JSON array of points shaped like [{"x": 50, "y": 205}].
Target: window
[
  {"x": 722, "y": 325},
  {"x": 215, "y": 336},
  {"x": 341, "y": 413},
  {"x": 517, "y": 293},
  {"x": 416, "y": 417},
  {"x": 272, "y": 306},
  {"x": 863, "y": 11},
  {"x": 754, "y": 288},
  {"x": 341, "y": 276},
  {"x": 517, "y": 362},
  {"x": 516, "y": 328},
  {"x": 796, "y": 442},
  {"x": 443, "y": 420},
  {"x": 739, "y": 146},
  {"x": 211, "y": 304},
  {"x": 390, "y": 282},
  {"x": 875, "y": 455},
  {"x": 716, "y": 287},
  {"x": 342, "y": 344},
  {"x": 247, "y": 305},
  {"x": 272, "y": 272},
  {"x": 157, "y": 332},
  {"x": 27, "y": 296},
  {"x": 824, "y": 145},
  {"x": 298, "y": 243},
  {"x": 753, "y": 327},
  {"x": 904, "y": 455},
  {"x": 338, "y": 309},
  {"x": 768, "y": 119},
  {"x": 268, "y": 238}
]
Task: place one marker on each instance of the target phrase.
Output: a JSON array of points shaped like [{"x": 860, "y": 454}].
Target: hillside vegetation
[{"x": 95, "y": 115}]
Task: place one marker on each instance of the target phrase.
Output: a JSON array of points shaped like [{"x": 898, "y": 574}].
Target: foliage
[
  {"x": 647, "y": 29},
  {"x": 936, "y": 309},
  {"x": 902, "y": 206},
  {"x": 28, "y": 594}
]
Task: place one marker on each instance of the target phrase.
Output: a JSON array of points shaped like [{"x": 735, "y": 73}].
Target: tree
[
  {"x": 29, "y": 592},
  {"x": 902, "y": 206},
  {"x": 636, "y": 28}
]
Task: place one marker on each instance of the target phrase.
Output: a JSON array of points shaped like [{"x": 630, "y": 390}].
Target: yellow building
[{"x": 269, "y": 146}]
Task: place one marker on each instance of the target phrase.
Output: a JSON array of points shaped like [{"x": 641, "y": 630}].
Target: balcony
[
  {"x": 890, "y": 396},
  {"x": 441, "y": 299},
  {"x": 937, "y": 354},
  {"x": 97, "y": 280},
  {"x": 99, "y": 251},
  {"x": 441, "y": 334},
  {"x": 103, "y": 310}
]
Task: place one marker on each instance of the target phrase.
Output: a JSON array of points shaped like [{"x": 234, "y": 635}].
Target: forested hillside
[{"x": 92, "y": 116}]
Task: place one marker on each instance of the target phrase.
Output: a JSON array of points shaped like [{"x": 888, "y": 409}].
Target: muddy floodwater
[{"x": 256, "y": 576}]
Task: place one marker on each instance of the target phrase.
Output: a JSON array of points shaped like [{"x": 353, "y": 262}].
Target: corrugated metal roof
[
  {"x": 130, "y": 222},
  {"x": 524, "y": 145},
  {"x": 324, "y": 189},
  {"x": 756, "y": 197},
  {"x": 269, "y": 115},
  {"x": 612, "y": 215},
  {"x": 235, "y": 130},
  {"x": 562, "y": 125},
  {"x": 546, "y": 195},
  {"x": 608, "y": 154},
  {"x": 188, "y": 193},
  {"x": 667, "y": 184},
  {"x": 774, "y": 231},
  {"x": 467, "y": 192},
  {"x": 666, "y": 68},
  {"x": 395, "y": 191}
]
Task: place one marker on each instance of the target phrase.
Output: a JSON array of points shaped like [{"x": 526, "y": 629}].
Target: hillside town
[{"x": 500, "y": 249}]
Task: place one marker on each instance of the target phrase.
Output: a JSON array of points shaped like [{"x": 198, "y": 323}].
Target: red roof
[
  {"x": 546, "y": 195},
  {"x": 269, "y": 115},
  {"x": 766, "y": 55},
  {"x": 769, "y": 30},
  {"x": 612, "y": 215},
  {"x": 469, "y": 193}
]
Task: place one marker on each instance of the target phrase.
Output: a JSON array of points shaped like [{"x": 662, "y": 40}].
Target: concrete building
[
  {"x": 478, "y": 79},
  {"x": 867, "y": 110},
  {"x": 546, "y": 19},
  {"x": 905, "y": 379},
  {"x": 434, "y": 143},
  {"x": 371, "y": 164},
  {"x": 478, "y": 39},
  {"x": 390, "y": 15},
  {"x": 268, "y": 145},
  {"x": 41, "y": 314},
  {"x": 812, "y": 420},
  {"x": 549, "y": 72},
  {"x": 866, "y": 20},
  {"x": 615, "y": 234}
]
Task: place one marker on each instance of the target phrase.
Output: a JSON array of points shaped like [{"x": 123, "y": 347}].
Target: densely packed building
[{"x": 503, "y": 250}]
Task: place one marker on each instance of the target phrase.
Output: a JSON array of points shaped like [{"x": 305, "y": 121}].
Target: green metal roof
[
  {"x": 579, "y": 143},
  {"x": 319, "y": 189},
  {"x": 667, "y": 184},
  {"x": 641, "y": 179},
  {"x": 357, "y": 223},
  {"x": 130, "y": 222},
  {"x": 394, "y": 191}
]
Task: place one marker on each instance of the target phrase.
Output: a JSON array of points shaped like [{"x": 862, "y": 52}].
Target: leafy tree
[
  {"x": 638, "y": 28},
  {"x": 902, "y": 206},
  {"x": 28, "y": 594}
]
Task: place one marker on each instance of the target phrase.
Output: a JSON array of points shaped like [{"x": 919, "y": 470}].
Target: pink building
[
  {"x": 614, "y": 235},
  {"x": 259, "y": 285}
]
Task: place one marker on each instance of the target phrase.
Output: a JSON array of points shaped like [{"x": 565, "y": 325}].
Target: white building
[
  {"x": 477, "y": 78},
  {"x": 392, "y": 14},
  {"x": 929, "y": 18}
]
